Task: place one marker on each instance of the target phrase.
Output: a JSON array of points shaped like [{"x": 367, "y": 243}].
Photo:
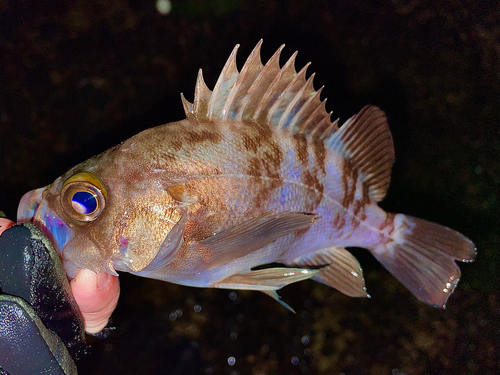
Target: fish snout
[
  {"x": 34, "y": 208},
  {"x": 29, "y": 204}
]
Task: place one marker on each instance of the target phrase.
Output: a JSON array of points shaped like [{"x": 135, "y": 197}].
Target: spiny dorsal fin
[
  {"x": 263, "y": 94},
  {"x": 365, "y": 139}
]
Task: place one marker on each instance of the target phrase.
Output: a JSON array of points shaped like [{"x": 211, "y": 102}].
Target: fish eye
[
  {"x": 83, "y": 197},
  {"x": 84, "y": 202}
]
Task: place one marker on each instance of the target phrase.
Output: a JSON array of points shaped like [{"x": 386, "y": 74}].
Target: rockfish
[{"x": 256, "y": 174}]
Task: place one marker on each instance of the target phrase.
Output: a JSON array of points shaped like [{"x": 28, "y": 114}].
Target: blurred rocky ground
[{"x": 77, "y": 77}]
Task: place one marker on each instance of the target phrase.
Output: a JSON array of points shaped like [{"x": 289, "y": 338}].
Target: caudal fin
[{"x": 422, "y": 257}]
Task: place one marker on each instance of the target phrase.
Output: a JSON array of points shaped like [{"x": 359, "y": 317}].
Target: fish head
[{"x": 103, "y": 218}]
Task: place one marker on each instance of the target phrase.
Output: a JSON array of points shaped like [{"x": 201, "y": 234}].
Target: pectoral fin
[
  {"x": 341, "y": 270},
  {"x": 169, "y": 247},
  {"x": 252, "y": 235}
]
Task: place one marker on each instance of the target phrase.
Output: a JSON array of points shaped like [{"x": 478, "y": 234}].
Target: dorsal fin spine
[
  {"x": 225, "y": 78},
  {"x": 332, "y": 127},
  {"x": 264, "y": 94},
  {"x": 260, "y": 82},
  {"x": 267, "y": 100},
  {"x": 188, "y": 107},
  {"x": 200, "y": 96},
  {"x": 319, "y": 108},
  {"x": 254, "y": 61},
  {"x": 307, "y": 106},
  {"x": 298, "y": 79}
]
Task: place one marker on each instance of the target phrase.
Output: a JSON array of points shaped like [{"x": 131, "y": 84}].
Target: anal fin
[{"x": 339, "y": 270}]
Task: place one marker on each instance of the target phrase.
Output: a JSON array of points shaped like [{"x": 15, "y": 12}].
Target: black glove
[{"x": 40, "y": 324}]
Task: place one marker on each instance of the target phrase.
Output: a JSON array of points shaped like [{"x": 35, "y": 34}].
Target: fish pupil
[{"x": 84, "y": 202}]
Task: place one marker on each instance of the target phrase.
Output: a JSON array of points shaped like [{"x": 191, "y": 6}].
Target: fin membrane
[
  {"x": 247, "y": 237},
  {"x": 339, "y": 270},
  {"x": 422, "y": 257},
  {"x": 274, "y": 295},
  {"x": 169, "y": 247},
  {"x": 266, "y": 279},
  {"x": 267, "y": 94},
  {"x": 281, "y": 97},
  {"x": 366, "y": 141}
]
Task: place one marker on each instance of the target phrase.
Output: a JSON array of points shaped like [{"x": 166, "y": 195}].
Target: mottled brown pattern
[
  {"x": 349, "y": 178},
  {"x": 388, "y": 222},
  {"x": 265, "y": 163},
  {"x": 254, "y": 137},
  {"x": 301, "y": 149},
  {"x": 175, "y": 145},
  {"x": 319, "y": 150},
  {"x": 338, "y": 222},
  {"x": 200, "y": 225},
  {"x": 254, "y": 168},
  {"x": 194, "y": 137},
  {"x": 360, "y": 204},
  {"x": 312, "y": 180}
]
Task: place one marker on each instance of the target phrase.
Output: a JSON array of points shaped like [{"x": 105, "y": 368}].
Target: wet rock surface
[{"x": 78, "y": 77}]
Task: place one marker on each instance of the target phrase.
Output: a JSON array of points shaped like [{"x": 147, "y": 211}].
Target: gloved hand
[{"x": 40, "y": 325}]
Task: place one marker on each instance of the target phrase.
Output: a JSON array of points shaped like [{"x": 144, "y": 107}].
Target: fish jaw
[
  {"x": 29, "y": 205},
  {"x": 33, "y": 207}
]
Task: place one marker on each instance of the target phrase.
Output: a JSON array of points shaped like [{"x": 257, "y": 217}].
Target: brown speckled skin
[{"x": 221, "y": 174}]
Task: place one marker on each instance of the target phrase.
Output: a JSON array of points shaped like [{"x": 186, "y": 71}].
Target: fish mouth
[{"x": 34, "y": 208}]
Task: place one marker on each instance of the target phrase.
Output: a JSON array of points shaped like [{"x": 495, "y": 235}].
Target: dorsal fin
[
  {"x": 281, "y": 97},
  {"x": 365, "y": 139},
  {"x": 263, "y": 94}
]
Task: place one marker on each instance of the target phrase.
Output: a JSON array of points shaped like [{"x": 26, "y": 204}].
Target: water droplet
[
  {"x": 395, "y": 371},
  {"x": 295, "y": 361},
  {"x": 233, "y": 336},
  {"x": 240, "y": 317},
  {"x": 163, "y": 7},
  {"x": 172, "y": 316},
  {"x": 231, "y": 361},
  {"x": 178, "y": 313},
  {"x": 233, "y": 296},
  {"x": 197, "y": 308},
  {"x": 305, "y": 340}
]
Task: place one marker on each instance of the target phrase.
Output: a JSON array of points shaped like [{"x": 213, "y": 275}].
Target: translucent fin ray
[
  {"x": 366, "y": 140},
  {"x": 339, "y": 270},
  {"x": 264, "y": 94},
  {"x": 422, "y": 257}
]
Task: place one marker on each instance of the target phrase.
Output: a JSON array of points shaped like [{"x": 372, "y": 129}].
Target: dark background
[{"x": 77, "y": 77}]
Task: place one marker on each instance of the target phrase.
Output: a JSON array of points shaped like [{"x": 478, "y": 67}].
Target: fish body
[{"x": 256, "y": 174}]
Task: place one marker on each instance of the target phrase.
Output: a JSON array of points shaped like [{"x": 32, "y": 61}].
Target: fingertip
[
  {"x": 96, "y": 295},
  {"x": 5, "y": 224}
]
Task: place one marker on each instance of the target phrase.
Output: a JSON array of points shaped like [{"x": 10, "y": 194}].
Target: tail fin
[{"x": 422, "y": 257}]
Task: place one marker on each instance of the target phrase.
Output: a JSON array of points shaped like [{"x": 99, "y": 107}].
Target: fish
[{"x": 255, "y": 189}]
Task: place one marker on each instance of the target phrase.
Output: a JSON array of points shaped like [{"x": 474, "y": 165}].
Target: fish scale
[{"x": 257, "y": 173}]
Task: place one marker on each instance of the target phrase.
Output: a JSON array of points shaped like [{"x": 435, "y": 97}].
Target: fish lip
[
  {"x": 33, "y": 208},
  {"x": 29, "y": 204}
]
